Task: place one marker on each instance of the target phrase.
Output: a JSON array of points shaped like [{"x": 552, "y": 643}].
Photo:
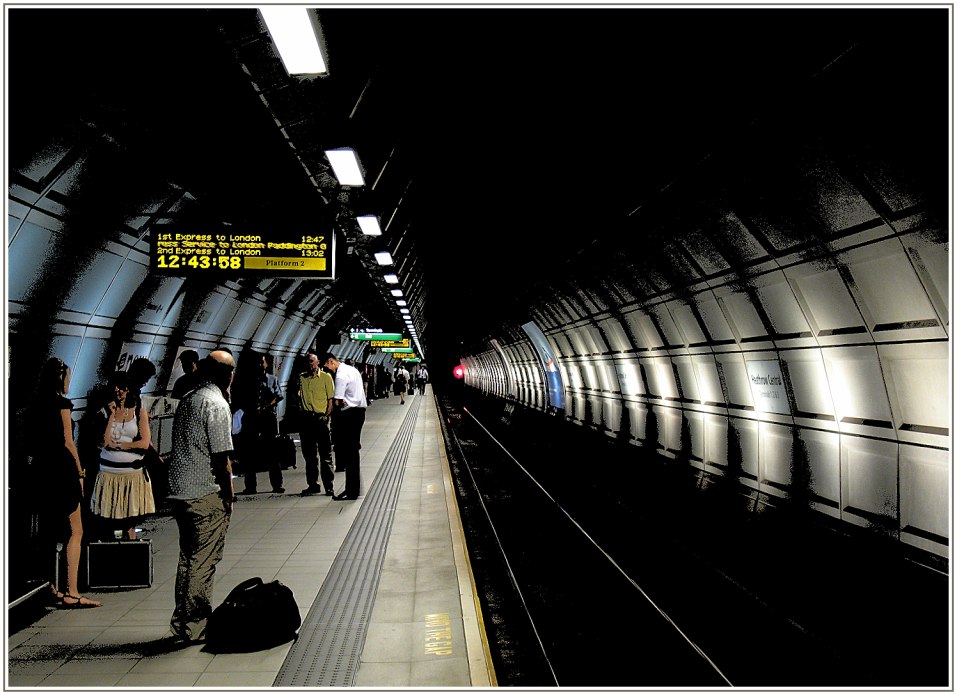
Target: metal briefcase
[{"x": 126, "y": 564}]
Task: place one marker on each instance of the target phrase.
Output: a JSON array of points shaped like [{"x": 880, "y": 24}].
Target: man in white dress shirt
[{"x": 350, "y": 399}]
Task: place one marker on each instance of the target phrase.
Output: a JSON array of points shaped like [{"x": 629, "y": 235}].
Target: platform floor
[{"x": 422, "y": 628}]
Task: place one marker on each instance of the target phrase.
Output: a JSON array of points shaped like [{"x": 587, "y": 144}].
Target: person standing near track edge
[{"x": 350, "y": 399}]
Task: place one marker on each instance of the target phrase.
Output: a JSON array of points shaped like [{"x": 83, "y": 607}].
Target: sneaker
[
  {"x": 311, "y": 491},
  {"x": 329, "y": 492}
]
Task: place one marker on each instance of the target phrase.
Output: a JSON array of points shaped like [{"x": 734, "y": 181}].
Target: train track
[{"x": 600, "y": 566}]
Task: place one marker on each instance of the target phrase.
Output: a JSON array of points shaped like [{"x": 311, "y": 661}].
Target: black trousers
[
  {"x": 259, "y": 447},
  {"x": 316, "y": 450},
  {"x": 348, "y": 433}
]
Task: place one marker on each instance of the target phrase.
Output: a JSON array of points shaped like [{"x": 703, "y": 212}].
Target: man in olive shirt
[{"x": 316, "y": 389}]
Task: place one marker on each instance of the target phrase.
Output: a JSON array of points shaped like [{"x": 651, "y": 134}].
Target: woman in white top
[{"x": 123, "y": 490}]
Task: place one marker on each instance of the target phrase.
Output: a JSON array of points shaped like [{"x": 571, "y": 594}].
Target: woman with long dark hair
[
  {"x": 55, "y": 451},
  {"x": 123, "y": 492}
]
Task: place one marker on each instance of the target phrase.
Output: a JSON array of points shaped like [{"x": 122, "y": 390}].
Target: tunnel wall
[
  {"x": 813, "y": 254},
  {"x": 79, "y": 287}
]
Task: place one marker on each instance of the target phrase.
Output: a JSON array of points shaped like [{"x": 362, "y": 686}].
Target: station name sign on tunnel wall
[
  {"x": 219, "y": 251},
  {"x": 768, "y": 387}
]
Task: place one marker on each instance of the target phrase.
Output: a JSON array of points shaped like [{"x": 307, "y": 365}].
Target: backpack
[{"x": 255, "y": 615}]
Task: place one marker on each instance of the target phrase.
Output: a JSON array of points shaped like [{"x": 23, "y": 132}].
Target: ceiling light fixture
[
  {"x": 392, "y": 279},
  {"x": 400, "y": 302},
  {"x": 396, "y": 293},
  {"x": 296, "y": 39},
  {"x": 383, "y": 258},
  {"x": 369, "y": 224},
  {"x": 345, "y": 165}
]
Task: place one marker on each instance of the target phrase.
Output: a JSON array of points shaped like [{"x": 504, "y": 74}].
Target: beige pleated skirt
[{"x": 122, "y": 495}]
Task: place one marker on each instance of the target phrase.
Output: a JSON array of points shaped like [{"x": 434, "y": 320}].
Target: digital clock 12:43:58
[{"x": 218, "y": 262}]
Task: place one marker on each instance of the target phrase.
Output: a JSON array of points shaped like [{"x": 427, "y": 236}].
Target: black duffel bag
[{"x": 255, "y": 615}]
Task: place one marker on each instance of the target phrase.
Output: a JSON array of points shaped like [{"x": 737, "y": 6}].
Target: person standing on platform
[
  {"x": 421, "y": 378},
  {"x": 351, "y": 402},
  {"x": 401, "y": 383},
  {"x": 316, "y": 391},
  {"x": 201, "y": 492},
  {"x": 59, "y": 472},
  {"x": 260, "y": 426},
  {"x": 189, "y": 359},
  {"x": 123, "y": 492}
]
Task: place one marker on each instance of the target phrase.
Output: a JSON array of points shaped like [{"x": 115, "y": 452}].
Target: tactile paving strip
[{"x": 326, "y": 653}]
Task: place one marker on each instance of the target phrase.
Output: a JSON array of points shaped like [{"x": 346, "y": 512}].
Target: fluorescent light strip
[
  {"x": 396, "y": 293},
  {"x": 369, "y": 224},
  {"x": 295, "y": 38},
  {"x": 392, "y": 279},
  {"x": 383, "y": 258},
  {"x": 345, "y": 165}
]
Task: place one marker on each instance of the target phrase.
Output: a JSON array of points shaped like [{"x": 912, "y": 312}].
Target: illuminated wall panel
[
  {"x": 673, "y": 336},
  {"x": 781, "y": 307},
  {"x": 775, "y": 452},
  {"x": 926, "y": 482},
  {"x": 572, "y": 375},
  {"x": 741, "y": 312},
  {"x": 669, "y": 428},
  {"x": 824, "y": 457},
  {"x": 268, "y": 327},
  {"x": 696, "y": 426},
  {"x": 615, "y": 335},
  {"x": 580, "y": 340},
  {"x": 245, "y": 322},
  {"x": 716, "y": 439},
  {"x": 857, "y": 385},
  {"x": 562, "y": 344},
  {"x": 915, "y": 374},
  {"x": 812, "y": 393},
  {"x": 215, "y": 313},
  {"x": 32, "y": 250},
  {"x": 869, "y": 486},
  {"x": 830, "y": 307},
  {"x": 888, "y": 285},
  {"x": 748, "y": 442},
  {"x": 709, "y": 383},
  {"x": 163, "y": 308},
  {"x": 713, "y": 318},
  {"x": 595, "y": 340},
  {"x": 735, "y": 378},
  {"x": 687, "y": 324},
  {"x": 611, "y": 414},
  {"x": 661, "y": 378},
  {"x": 607, "y": 378},
  {"x": 931, "y": 261},
  {"x": 686, "y": 375},
  {"x": 589, "y": 375},
  {"x": 643, "y": 330},
  {"x": 629, "y": 377}
]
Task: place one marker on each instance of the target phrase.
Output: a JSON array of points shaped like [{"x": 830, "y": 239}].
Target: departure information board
[{"x": 227, "y": 252}]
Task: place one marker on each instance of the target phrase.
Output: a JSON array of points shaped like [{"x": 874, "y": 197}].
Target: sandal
[{"x": 78, "y": 602}]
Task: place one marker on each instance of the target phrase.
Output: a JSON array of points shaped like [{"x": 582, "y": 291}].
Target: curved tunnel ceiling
[{"x": 507, "y": 145}]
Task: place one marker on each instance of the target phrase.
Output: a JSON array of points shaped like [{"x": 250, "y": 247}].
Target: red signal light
[{"x": 458, "y": 372}]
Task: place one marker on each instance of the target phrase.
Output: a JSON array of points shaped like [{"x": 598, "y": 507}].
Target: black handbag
[{"x": 255, "y": 615}]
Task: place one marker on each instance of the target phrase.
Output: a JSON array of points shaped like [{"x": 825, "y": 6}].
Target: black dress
[{"x": 56, "y": 474}]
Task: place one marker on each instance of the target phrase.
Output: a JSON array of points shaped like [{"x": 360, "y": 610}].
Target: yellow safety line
[{"x": 459, "y": 551}]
